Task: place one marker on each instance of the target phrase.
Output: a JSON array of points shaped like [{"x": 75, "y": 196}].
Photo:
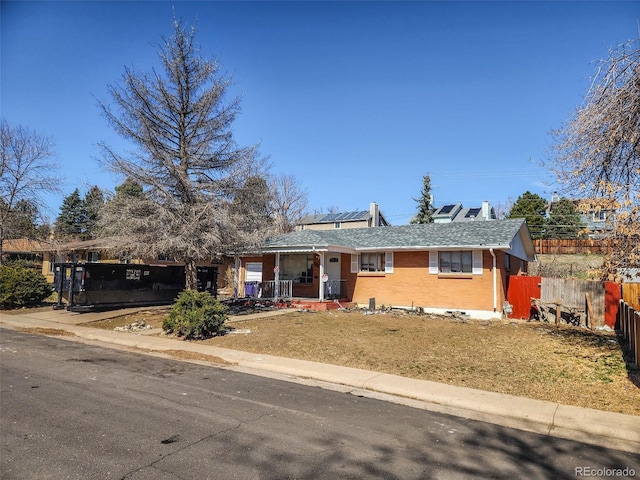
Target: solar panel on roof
[
  {"x": 446, "y": 208},
  {"x": 473, "y": 212},
  {"x": 340, "y": 217}
]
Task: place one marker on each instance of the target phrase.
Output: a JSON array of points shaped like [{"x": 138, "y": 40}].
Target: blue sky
[{"x": 357, "y": 100}]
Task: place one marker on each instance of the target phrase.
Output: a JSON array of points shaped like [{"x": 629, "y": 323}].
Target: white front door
[{"x": 333, "y": 272}]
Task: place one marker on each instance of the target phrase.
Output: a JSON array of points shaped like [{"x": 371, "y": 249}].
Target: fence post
[
  {"x": 590, "y": 312},
  {"x": 634, "y": 339}
]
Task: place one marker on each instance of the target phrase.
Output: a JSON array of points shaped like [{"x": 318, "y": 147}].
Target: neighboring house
[
  {"x": 103, "y": 250},
  {"x": 457, "y": 266},
  {"x": 330, "y": 221},
  {"x": 457, "y": 213},
  {"x": 22, "y": 249},
  {"x": 596, "y": 218},
  {"x": 100, "y": 250}
]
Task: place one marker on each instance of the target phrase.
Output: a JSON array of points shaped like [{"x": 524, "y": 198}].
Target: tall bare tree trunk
[{"x": 191, "y": 275}]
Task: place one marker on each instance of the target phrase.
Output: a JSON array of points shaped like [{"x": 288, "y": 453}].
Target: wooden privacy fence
[
  {"x": 589, "y": 303},
  {"x": 631, "y": 295},
  {"x": 580, "y": 299},
  {"x": 567, "y": 246},
  {"x": 629, "y": 321}
]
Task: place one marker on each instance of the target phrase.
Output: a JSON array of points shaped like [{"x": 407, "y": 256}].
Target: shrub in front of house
[
  {"x": 196, "y": 315},
  {"x": 22, "y": 287}
]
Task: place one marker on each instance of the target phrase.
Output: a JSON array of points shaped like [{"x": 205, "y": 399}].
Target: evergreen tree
[
  {"x": 93, "y": 203},
  {"x": 72, "y": 218},
  {"x": 425, "y": 207},
  {"x": 564, "y": 220},
  {"x": 129, "y": 188},
  {"x": 533, "y": 208}
]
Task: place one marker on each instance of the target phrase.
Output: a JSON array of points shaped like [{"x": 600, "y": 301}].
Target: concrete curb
[{"x": 607, "y": 429}]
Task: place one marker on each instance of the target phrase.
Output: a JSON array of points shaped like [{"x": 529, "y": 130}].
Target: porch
[{"x": 284, "y": 294}]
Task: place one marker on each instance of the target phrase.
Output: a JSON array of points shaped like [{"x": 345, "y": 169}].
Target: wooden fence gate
[{"x": 599, "y": 301}]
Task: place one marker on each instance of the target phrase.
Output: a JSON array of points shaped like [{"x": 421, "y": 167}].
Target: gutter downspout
[{"x": 495, "y": 286}]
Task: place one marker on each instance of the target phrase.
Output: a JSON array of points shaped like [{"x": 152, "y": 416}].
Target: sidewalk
[{"x": 606, "y": 429}]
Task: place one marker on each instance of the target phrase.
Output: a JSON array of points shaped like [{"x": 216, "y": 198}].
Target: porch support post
[
  {"x": 276, "y": 277},
  {"x": 321, "y": 274},
  {"x": 236, "y": 275}
]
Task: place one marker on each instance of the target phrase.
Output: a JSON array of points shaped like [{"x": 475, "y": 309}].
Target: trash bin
[{"x": 250, "y": 289}]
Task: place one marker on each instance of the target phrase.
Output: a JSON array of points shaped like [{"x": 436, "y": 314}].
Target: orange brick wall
[{"x": 410, "y": 284}]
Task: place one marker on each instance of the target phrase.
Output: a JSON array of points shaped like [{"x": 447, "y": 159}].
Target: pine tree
[
  {"x": 425, "y": 207},
  {"x": 533, "y": 208},
  {"x": 93, "y": 203},
  {"x": 72, "y": 218},
  {"x": 564, "y": 221}
]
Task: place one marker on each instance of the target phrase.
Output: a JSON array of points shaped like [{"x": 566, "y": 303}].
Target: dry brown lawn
[{"x": 569, "y": 365}]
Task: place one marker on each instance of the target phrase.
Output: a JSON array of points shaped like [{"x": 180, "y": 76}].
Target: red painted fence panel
[
  {"x": 521, "y": 290},
  {"x": 612, "y": 296}
]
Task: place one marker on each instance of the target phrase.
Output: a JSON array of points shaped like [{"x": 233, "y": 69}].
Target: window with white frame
[
  {"x": 455, "y": 262},
  {"x": 372, "y": 262},
  {"x": 599, "y": 216}
]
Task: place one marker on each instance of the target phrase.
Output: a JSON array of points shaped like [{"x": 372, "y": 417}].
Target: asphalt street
[{"x": 74, "y": 411}]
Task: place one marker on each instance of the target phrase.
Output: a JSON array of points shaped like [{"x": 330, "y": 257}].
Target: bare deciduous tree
[
  {"x": 26, "y": 172},
  {"x": 598, "y": 151},
  {"x": 289, "y": 202},
  {"x": 186, "y": 159}
]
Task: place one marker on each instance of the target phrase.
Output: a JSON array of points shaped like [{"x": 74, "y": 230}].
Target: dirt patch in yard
[
  {"x": 568, "y": 365},
  {"x": 49, "y": 332},
  {"x": 184, "y": 355},
  {"x": 153, "y": 317}
]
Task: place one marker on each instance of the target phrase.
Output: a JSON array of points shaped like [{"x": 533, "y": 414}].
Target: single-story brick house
[{"x": 457, "y": 266}]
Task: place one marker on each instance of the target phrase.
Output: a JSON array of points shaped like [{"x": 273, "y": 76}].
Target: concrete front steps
[{"x": 316, "y": 305}]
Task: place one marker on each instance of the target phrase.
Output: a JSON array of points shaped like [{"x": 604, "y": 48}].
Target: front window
[
  {"x": 455, "y": 262},
  {"x": 298, "y": 268},
  {"x": 372, "y": 262}
]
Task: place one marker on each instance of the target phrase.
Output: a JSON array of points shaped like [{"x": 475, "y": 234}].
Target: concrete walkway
[{"x": 610, "y": 430}]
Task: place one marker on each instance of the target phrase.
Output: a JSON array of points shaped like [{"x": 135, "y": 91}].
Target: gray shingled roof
[{"x": 496, "y": 233}]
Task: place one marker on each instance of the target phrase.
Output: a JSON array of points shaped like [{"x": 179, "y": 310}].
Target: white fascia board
[
  {"x": 434, "y": 247},
  {"x": 295, "y": 250},
  {"x": 340, "y": 249},
  {"x": 310, "y": 249}
]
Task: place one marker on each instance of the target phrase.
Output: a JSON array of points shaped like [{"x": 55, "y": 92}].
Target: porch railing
[
  {"x": 280, "y": 289},
  {"x": 335, "y": 289}
]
